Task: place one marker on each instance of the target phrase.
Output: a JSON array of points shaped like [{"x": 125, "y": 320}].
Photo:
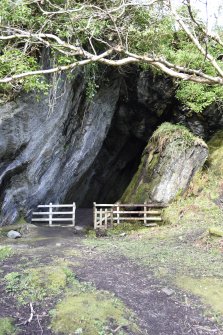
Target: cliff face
[
  {"x": 41, "y": 153},
  {"x": 79, "y": 151}
]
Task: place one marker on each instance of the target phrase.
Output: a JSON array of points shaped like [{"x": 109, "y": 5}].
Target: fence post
[
  {"x": 100, "y": 217},
  {"x": 95, "y": 214},
  {"x": 118, "y": 215},
  {"x": 111, "y": 216},
  {"x": 106, "y": 218},
  {"x": 145, "y": 214},
  {"x": 51, "y": 214},
  {"x": 73, "y": 214}
]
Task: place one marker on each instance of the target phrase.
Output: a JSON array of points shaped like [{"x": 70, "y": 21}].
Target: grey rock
[
  {"x": 168, "y": 291},
  {"x": 122, "y": 235},
  {"x": 79, "y": 228},
  {"x": 13, "y": 234},
  {"x": 43, "y": 152},
  {"x": 166, "y": 171},
  {"x": 150, "y": 225}
]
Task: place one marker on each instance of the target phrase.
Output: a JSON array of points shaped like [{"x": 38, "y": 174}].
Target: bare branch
[
  {"x": 56, "y": 69},
  {"x": 196, "y": 42}
]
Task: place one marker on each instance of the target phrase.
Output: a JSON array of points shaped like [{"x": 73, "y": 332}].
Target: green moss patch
[
  {"x": 169, "y": 132},
  {"x": 92, "y": 312},
  {"x": 126, "y": 227},
  {"x": 215, "y": 165},
  {"x": 5, "y": 252},
  {"x": 7, "y": 327},
  {"x": 210, "y": 290},
  {"x": 37, "y": 283}
]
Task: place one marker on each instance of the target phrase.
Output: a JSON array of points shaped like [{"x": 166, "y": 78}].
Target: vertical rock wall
[{"x": 42, "y": 154}]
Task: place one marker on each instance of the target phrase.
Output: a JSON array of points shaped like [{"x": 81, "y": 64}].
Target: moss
[
  {"x": 7, "y": 327},
  {"x": 216, "y": 231},
  {"x": 37, "y": 283},
  {"x": 168, "y": 132},
  {"x": 138, "y": 191},
  {"x": 152, "y": 168},
  {"x": 216, "y": 154},
  {"x": 210, "y": 290},
  {"x": 91, "y": 312},
  {"x": 129, "y": 192},
  {"x": 126, "y": 227},
  {"x": 5, "y": 252}
]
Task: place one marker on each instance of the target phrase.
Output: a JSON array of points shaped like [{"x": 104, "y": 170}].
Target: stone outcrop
[
  {"x": 169, "y": 161},
  {"x": 42, "y": 153},
  {"x": 65, "y": 148}
]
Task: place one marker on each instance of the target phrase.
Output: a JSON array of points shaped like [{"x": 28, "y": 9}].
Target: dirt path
[{"x": 158, "y": 313}]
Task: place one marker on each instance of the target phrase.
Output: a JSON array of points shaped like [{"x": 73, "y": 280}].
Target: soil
[{"x": 158, "y": 313}]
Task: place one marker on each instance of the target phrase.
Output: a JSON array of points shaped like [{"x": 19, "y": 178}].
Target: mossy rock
[
  {"x": 216, "y": 153},
  {"x": 168, "y": 164}
]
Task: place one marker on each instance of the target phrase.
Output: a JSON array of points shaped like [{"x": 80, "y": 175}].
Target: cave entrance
[{"x": 143, "y": 105}]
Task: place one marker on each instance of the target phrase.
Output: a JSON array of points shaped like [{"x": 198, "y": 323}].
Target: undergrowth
[
  {"x": 37, "y": 283},
  {"x": 7, "y": 327},
  {"x": 5, "y": 252}
]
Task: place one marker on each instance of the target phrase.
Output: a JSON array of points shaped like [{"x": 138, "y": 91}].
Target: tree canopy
[{"x": 153, "y": 34}]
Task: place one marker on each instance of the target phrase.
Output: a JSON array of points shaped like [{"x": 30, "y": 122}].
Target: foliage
[
  {"x": 197, "y": 96},
  {"x": 37, "y": 283},
  {"x": 95, "y": 26},
  {"x": 7, "y": 327},
  {"x": 5, "y": 252}
]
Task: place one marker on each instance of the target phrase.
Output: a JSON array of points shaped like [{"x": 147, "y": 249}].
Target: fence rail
[
  {"x": 63, "y": 216},
  {"x": 106, "y": 215}
]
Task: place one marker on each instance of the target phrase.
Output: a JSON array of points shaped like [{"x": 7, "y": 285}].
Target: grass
[
  {"x": 184, "y": 247},
  {"x": 35, "y": 284},
  {"x": 7, "y": 327},
  {"x": 209, "y": 289},
  {"x": 85, "y": 310},
  {"x": 5, "y": 252},
  {"x": 169, "y": 132}
]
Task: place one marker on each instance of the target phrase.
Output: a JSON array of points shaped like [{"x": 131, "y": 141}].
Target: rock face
[
  {"x": 84, "y": 151},
  {"x": 144, "y": 102},
  {"x": 43, "y": 153},
  {"x": 170, "y": 160}
]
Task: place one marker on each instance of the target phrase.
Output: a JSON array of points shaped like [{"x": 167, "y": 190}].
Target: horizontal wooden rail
[
  {"x": 106, "y": 215},
  {"x": 39, "y": 216},
  {"x": 56, "y": 219},
  {"x": 53, "y": 213},
  {"x": 54, "y": 206},
  {"x": 137, "y": 212},
  {"x": 155, "y": 218}
]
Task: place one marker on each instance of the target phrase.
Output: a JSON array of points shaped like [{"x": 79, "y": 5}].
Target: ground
[{"x": 157, "y": 281}]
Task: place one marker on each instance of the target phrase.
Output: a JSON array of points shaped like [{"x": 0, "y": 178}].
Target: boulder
[
  {"x": 14, "y": 234},
  {"x": 168, "y": 164}
]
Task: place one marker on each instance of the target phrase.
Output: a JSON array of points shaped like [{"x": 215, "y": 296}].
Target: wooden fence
[
  {"x": 106, "y": 215},
  {"x": 56, "y": 213}
]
